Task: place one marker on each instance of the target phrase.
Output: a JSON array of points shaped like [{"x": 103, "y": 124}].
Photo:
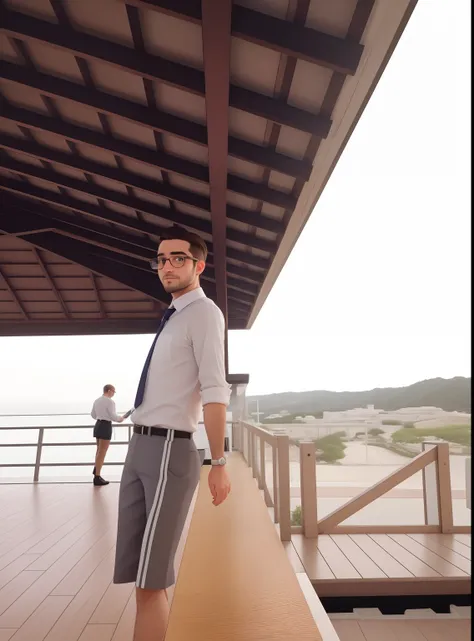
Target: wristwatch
[{"x": 218, "y": 461}]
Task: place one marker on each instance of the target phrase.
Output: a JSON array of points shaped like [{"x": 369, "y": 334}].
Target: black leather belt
[{"x": 159, "y": 431}]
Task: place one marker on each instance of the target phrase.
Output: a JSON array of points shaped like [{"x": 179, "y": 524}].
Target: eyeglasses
[{"x": 175, "y": 261}]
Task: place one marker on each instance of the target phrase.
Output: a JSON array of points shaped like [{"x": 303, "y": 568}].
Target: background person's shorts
[
  {"x": 159, "y": 479},
  {"x": 103, "y": 429}
]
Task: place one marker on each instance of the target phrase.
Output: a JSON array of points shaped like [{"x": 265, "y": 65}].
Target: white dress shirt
[
  {"x": 187, "y": 369},
  {"x": 104, "y": 410}
]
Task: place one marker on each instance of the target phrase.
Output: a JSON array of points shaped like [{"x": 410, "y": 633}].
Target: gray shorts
[{"x": 158, "y": 482}]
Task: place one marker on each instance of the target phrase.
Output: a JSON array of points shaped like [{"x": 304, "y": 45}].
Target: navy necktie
[{"x": 141, "y": 385}]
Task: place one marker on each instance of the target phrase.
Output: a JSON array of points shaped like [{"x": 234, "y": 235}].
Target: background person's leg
[{"x": 102, "y": 448}]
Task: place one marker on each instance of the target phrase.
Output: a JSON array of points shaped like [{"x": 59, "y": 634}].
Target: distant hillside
[{"x": 453, "y": 394}]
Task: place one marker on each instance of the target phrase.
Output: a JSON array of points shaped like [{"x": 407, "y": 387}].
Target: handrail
[
  {"x": 248, "y": 436},
  {"x": 40, "y": 444}
]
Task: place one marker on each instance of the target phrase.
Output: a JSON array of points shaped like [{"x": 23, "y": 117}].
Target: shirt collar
[{"x": 183, "y": 301}]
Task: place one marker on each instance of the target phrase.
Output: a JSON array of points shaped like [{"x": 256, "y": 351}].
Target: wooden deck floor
[
  {"x": 56, "y": 558},
  {"x": 386, "y": 564}
]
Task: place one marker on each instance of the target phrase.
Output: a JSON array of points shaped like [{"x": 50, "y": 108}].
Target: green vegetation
[
  {"x": 376, "y": 431},
  {"x": 390, "y": 421},
  {"x": 331, "y": 448},
  {"x": 460, "y": 434},
  {"x": 296, "y": 518}
]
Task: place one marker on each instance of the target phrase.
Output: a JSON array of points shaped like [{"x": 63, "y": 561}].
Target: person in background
[{"x": 103, "y": 411}]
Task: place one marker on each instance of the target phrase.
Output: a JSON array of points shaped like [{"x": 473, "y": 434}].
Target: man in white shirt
[
  {"x": 103, "y": 411},
  {"x": 184, "y": 371}
]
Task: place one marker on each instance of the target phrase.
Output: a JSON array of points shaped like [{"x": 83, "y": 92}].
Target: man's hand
[
  {"x": 219, "y": 484},
  {"x": 121, "y": 419}
]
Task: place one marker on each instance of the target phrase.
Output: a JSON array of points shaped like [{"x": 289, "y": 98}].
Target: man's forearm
[{"x": 215, "y": 415}]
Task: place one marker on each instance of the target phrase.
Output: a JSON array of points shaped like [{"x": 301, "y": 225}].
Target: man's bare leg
[
  {"x": 152, "y": 615},
  {"x": 102, "y": 447}
]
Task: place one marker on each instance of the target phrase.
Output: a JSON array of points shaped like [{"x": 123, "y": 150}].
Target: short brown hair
[
  {"x": 197, "y": 245},
  {"x": 108, "y": 388}
]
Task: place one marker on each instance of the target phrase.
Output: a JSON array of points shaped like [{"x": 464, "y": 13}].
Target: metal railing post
[{"x": 39, "y": 449}]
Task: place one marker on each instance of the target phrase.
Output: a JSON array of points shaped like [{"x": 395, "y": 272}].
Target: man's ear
[{"x": 200, "y": 267}]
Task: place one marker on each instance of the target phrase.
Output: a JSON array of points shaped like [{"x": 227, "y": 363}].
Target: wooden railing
[
  {"x": 433, "y": 462},
  {"x": 254, "y": 442}
]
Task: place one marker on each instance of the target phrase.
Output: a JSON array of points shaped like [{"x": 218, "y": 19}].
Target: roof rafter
[
  {"x": 146, "y": 207},
  {"x": 25, "y": 195},
  {"x": 274, "y": 33},
  {"x": 154, "y": 119},
  {"x": 133, "y": 179},
  {"x": 13, "y": 294},
  {"x": 154, "y": 67},
  {"x": 50, "y": 280}
]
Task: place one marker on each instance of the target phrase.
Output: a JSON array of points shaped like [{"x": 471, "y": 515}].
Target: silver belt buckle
[{"x": 142, "y": 429}]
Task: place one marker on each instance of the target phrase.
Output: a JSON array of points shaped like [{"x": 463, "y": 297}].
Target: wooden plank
[
  {"x": 42, "y": 620},
  {"x": 76, "y": 616},
  {"x": 390, "y": 566},
  {"x": 362, "y": 563},
  {"x": 403, "y": 630},
  {"x": 97, "y": 632},
  {"x": 15, "y": 567},
  {"x": 410, "y": 561},
  {"x": 445, "y": 553},
  {"x": 112, "y": 604},
  {"x": 124, "y": 630},
  {"x": 15, "y": 588},
  {"x": 463, "y": 538},
  {"x": 444, "y": 630},
  {"x": 433, "y": 560},
  {"x": 319, "y": 614},
  {"x": 348, "y": 630},
  {"x": 313, "y": 561},
  {"x": 449, "y": 541},
  {"x": 337, "y": 561},
  {"x": 75, "y": 579},
  {"x": 293, "y": 556},
  {"x": 84, "y": 531},
  {"x": 24, "y": 606},
  {"x": 258, "y": 596}
]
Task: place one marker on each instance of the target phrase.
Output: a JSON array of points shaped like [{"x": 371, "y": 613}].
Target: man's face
[
  {"x": 110, "y": 393},
  {"x": 185, "y": 269}
]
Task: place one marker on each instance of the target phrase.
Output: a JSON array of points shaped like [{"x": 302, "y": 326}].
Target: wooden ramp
[
  {"x": 386, "y": 564},
  {"x": 236, "y": 581}
]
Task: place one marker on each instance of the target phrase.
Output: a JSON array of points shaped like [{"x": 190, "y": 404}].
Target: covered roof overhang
[{"x": 226, "y": 118}]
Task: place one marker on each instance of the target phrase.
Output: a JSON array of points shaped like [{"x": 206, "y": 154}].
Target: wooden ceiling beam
[
  {"x": 273, "y": 33},
  {"x": 144, "y": 206},
  {"x": 14, "y": 295},
  {"x": 145, "y": 65},
  {"x": 154, "y": 119},
  {"x": 150, "y": 185},
  {"x": 51, "y": 283},
  {"x": 27, "y": 196},
  {"x": 216, "y": 20}
]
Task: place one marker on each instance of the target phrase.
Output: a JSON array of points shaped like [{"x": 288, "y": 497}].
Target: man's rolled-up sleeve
[{"x": 208, "y": 338}]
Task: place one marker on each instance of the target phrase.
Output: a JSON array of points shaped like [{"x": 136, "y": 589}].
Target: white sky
[{"x": 377, "y": 290}]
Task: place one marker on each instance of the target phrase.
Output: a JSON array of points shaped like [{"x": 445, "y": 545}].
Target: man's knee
[{"x": 145, "y": 596}]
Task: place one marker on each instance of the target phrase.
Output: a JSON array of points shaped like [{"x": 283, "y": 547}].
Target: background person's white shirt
[
  {"x": 187, "y": 369},
  {"x": 104, "y": 410}
]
